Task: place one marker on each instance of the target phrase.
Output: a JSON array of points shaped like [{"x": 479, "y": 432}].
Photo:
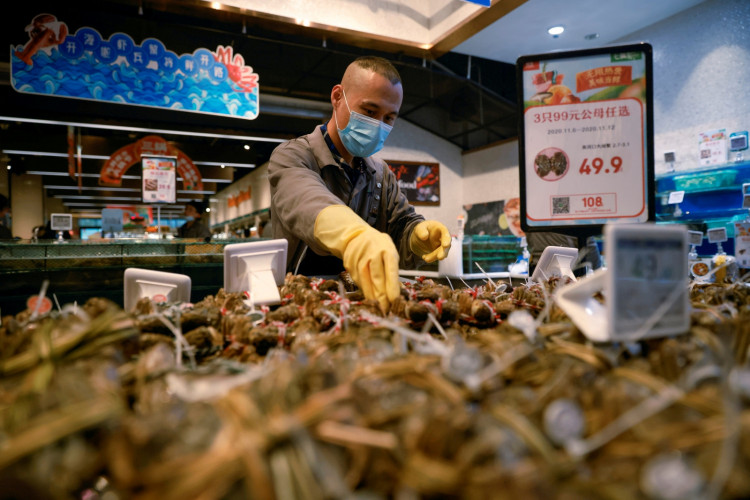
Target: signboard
[
  {"x": 586, "y": 142},
  {"x": 112, "y": 220},
  {"x": 419, "y": 181},
  {"x": 713, "y": 148},
  {"x": 61, "y": 222},
  {"x": 52, "y": 58},
  {"x": 494, "y": 218},
  {"x": 159, "y": 179}
]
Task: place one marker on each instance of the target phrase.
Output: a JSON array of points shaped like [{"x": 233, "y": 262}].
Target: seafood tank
[{"x": 454, "y": 393}]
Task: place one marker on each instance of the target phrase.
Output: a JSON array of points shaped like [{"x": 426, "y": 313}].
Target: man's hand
[
  {"x": 369, "y": 256},
  {"x": 430, "y": 240}
]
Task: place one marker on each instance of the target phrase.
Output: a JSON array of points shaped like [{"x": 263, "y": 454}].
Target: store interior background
[{"x": 701, "y": 69}]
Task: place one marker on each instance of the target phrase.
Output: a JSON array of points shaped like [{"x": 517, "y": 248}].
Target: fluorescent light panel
[
  {"x": 142, "y": 129},
  {"x": 65, "y": 174},
  {"x": 100, "y": 157}
]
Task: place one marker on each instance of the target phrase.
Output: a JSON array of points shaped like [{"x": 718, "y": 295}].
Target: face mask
[
  {"x": 189, "y": 218},
  {"x": 363, "y": 136}
]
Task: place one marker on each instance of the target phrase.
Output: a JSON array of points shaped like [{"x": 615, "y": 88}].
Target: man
[
  {"x": 340, "y": 208},
  {"x": 5, "y": 232},
  {"x": 194, "y": 227}
]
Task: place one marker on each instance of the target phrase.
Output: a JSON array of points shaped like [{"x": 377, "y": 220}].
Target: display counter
[
  {"x": 708, "y": 198},
  {"x": 78, "y": 270}
]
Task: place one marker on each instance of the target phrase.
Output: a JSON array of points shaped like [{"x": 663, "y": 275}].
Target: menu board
[
  {"x": 159, "y": 179},
  {"x": 586, "y": 141}
]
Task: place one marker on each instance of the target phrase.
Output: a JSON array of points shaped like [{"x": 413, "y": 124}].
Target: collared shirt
[
  {"x": 306, "y": 177},
  {"x": 353, "y": 171}
]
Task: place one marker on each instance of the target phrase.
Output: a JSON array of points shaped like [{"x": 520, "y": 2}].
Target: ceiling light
[
  {"x": 208, "y": 209},
  {"x": 8, "y": 167},
  {"x": 222, "y": 166},
  {"x": 555, "y": 31},
  {"x": 140, "y": 129},
  {"x": 247, "y": 146}
]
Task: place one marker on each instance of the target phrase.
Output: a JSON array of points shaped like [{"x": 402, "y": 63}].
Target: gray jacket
[{"x": 305, "y": 178}]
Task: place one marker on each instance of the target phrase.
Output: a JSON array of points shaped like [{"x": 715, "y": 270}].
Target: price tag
[
  {"x": 717, "y": 235},
  {"x": 742, "y": 243},
  {"x": 695, "y": 238},
  {"x": 647, "y": 291},
  {"x": 676, "y": 197},
  {"x": 645, "y": 286},
  {"x": 585, "y": 137}
]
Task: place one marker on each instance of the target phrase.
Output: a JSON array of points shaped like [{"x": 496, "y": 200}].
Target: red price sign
[
  {"x": 587, "y": 137},
  {"x": 596, "y": 166}
]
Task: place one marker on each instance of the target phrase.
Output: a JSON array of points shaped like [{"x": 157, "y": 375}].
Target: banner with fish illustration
[
  {"x": 586, "y": 142},
  {"x": 419, "y": 181},
  {"x": 51, "y": 59}
]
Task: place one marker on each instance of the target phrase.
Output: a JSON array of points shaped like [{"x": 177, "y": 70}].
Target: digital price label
[
  {"x": 695, "y": 238},
  {"x": 645, "y": 286},
  {"x": 717, "y": 235},
  {"x": 586, "y": 143}
]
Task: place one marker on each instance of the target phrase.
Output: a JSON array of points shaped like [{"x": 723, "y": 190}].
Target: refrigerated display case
[
  {"x": 709, "y": 198},
  {"x": 77, "y": 270}
]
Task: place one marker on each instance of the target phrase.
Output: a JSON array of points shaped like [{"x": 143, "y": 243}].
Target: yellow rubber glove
[
  {"x": 430, "y": 240},
  {"x": 369, "y": 256}
]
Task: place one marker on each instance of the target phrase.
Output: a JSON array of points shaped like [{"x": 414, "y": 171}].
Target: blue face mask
[
  {"x": 363, "y": 136},
  {"x": 189, "y": 218}
]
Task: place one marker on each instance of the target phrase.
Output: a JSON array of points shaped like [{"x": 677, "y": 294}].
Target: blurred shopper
[{"x": 194, "y": 226}]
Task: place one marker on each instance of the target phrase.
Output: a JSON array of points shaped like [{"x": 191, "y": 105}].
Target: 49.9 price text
[{"x": 597, "y": 166}]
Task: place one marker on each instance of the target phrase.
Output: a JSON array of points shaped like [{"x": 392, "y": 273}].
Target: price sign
[
  {"x": 159, "y": 179},
  {"x": 717, "y": 235},
  {"x": 586, "y": 144},
  {"x": 676, "y": 197},
  {"x": 645, "y": 287},
  {"x": 695, "y": 238},
  {"x": 647, "y": 290},
  {"x": 61, "y": 222}
]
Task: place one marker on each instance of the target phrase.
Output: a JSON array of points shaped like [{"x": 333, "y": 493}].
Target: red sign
[
  {"x": 127, "y": 156},
  {"x": 607, "y": 76}
]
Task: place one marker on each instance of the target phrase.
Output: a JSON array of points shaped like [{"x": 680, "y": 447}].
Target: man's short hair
[
  {"x": 381, "y": 66},
  {"x": 3, "y": 203}
]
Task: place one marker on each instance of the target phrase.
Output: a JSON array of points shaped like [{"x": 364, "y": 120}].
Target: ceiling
[{"x": 459, "y": 83}]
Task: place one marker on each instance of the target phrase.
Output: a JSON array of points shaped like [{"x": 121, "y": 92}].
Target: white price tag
[
  {"x": 645, "y": 286},
  {"x": 695, "y": 238},
  {"x": 742, "y": 243},
  {"x": 717, "y": 235},
  {"x": 676, "y": 197},
  {"x": 647, "y": 281},
  {"x": 598, "y": 172}
]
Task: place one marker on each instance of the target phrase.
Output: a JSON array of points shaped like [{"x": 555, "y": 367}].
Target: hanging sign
[
  {"x": 127, "y": 156},
  {"x": 586, "y": 138},
  {"x": 158, "y": 179},
  {"x": 89, "y": 65}
]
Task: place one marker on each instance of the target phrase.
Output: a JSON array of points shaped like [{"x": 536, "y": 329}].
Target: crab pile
[{"x": 459, "y": 393}]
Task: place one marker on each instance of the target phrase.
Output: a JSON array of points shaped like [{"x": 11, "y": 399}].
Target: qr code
[{"x": 561, "y": 205}]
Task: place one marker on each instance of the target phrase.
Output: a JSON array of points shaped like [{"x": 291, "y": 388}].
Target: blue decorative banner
[{"x": 86, "y": 66}]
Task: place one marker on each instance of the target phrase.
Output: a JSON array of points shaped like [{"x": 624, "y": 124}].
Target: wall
[
  {"x": 260, "y": 196},
  {"x": 701, "y": 70},
  {"x": 408, "y": 142}
]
